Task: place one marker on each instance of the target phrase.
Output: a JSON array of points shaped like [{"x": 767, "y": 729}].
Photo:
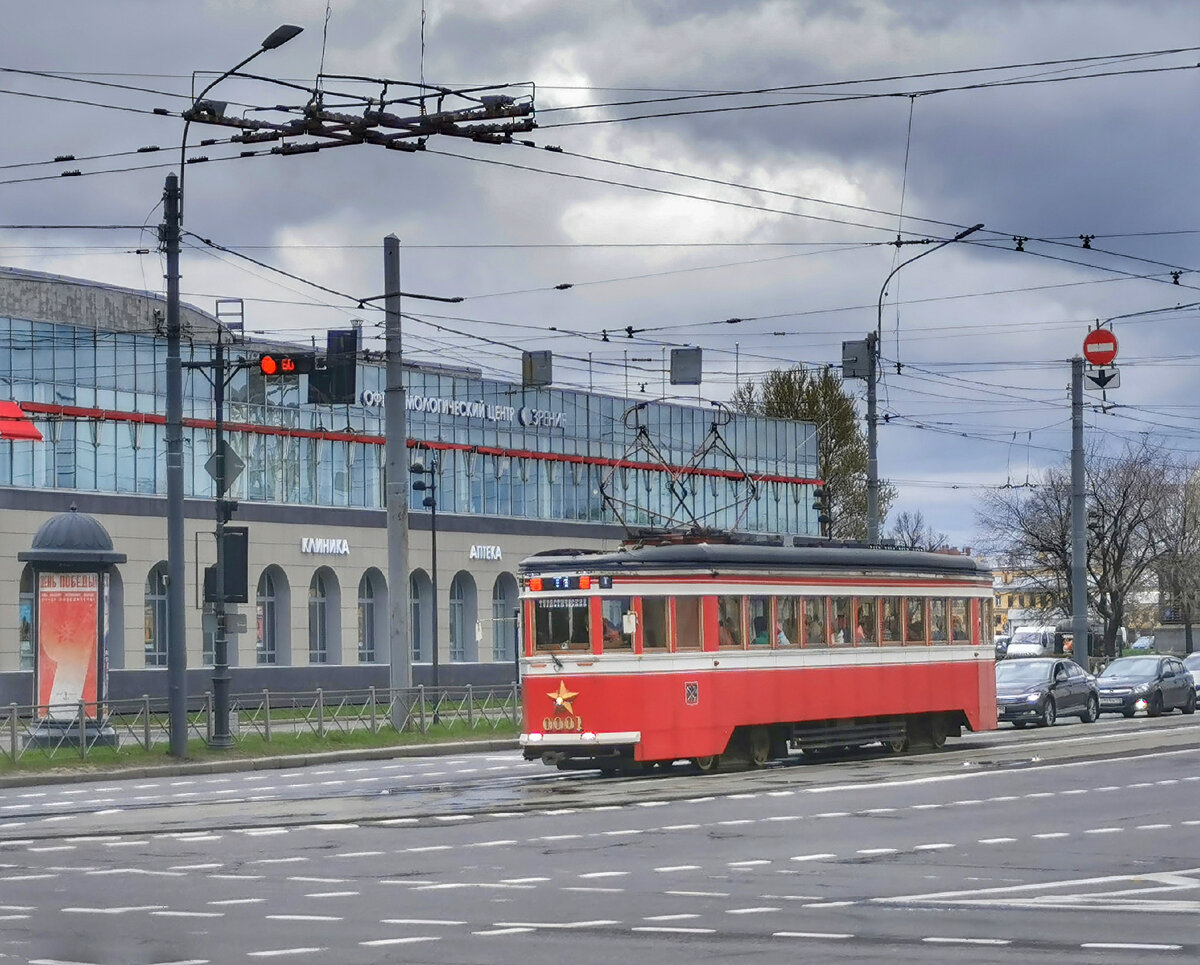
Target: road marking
[
  {"x": 421, "y": 921},
  {"x": 1152, "y": 827},
  {"x": 967, "y": 941},
  {"x": 597, "y": 923},
  {"x": 828, "y": 904},
  {"x": 747, "y": 864},
  {"x": 675, "y": 930},
  {"x": 936, "y": 846},
  {"x": 302, "y": 918},
  {"x": 813, "y": 857},
  {"x": 1053, "y": 834},
  {"x": 666, "y": 869},
  {"x": 273, "y": 952},
  {"x": 1103, "y": 830},
  {"x": 699, "y": 894},
  {"x": 875, "y": 851},
  {"x": 996, "y": 840},
  {"x": 360, "y": 854},
  {"x": 332, "y": 894},
  {"x": 604, "y": 874},
  {"x": 1133, "y": 946},
  {"x": 235, "y": 901},
  {"x": 502, "y": 931},
  {"x": 380, "y": 942},
  {"x": 114, "y": 911},
  {"x": 189, "y": 914},
  {"x": 811, "y": 934},
  {"x": 750, "y": 911},
  {"x": 668, "y": 917}
]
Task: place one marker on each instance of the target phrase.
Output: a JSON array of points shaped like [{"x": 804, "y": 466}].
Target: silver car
[{"x": 1192, "y": 663}]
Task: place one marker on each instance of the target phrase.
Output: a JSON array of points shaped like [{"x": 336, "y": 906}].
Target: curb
[{"x": 235, "y": 765}]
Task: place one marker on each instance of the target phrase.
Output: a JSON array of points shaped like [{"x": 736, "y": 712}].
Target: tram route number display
[{"x": 563, "y": 603}]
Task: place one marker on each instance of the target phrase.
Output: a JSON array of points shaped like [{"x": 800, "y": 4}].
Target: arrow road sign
[
  {"x": 1100, "y": 346},
  {"x": 1106, "y": 377}
]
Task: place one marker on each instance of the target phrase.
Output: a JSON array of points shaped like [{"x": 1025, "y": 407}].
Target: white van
[{"x": 1031, "y": 642}]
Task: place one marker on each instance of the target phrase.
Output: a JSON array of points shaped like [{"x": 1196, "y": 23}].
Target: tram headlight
[
  {"x": 533, "y": 738},
  {"x": 588, "y": 736}
]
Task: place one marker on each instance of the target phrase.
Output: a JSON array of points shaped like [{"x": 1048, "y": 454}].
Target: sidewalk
[{"x": 78, "y": 775}]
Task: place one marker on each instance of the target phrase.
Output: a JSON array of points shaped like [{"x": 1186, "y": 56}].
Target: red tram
[{"x": 710, "y": 651}]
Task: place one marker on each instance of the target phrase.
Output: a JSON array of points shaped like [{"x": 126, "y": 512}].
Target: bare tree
[
  {"x": 911, "y": 532},
  {"x": 1030, "y": 530},
  {"x": 1178, "y": 564}
]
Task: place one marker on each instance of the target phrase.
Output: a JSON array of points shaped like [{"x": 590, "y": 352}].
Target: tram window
[
  {"x": 938, "y": 632},
  {"x": 958, "y": 621},
  {"x": 914, "y": 620},
  {"x": 866, "y": 623},
  {"x": 654, "y": 623},
  {"x": 613, "y": 610},
  {"x": 688, "y": 623},
  {"x": 561, "y": 624},
  {"x": 891, "y": 620},
  {"x": 787, "y": 617},
  {"x": 814, "y": 622},
  {"x": 760, "y": 620},
  {"x": 841, "y": 621},
  {"x": 729, "y": 615}
]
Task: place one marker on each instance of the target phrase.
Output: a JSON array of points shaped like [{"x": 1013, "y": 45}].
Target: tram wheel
[
  {"x": 707, "y": 765},
  {"x": 758, "y": 746},
  {"x": 897, "y": 745},
  {"x": 937, "y": 732}
]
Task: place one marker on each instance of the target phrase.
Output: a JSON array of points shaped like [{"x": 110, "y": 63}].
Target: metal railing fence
[{"x": 263, "y": 717}]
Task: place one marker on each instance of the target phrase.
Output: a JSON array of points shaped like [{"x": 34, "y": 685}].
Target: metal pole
[
  {"x": 433, "y": 576},
  {"x": 176, "y": 644},
  {"x": 1079, "y": 623},
  {"x": 220, "y": 678},
  {"x": 396, "y": 488},
  {"x": 872, "y": 440}
]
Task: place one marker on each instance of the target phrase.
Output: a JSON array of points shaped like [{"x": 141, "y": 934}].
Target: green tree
[{"x": 819, "y": 397}]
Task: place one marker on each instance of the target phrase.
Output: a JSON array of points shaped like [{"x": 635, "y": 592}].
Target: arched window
[
  {"x": 366, "y": 620},
  {"x": 463, "y": 645},
  {"x": 419, "y": 608},
  {"x": 156, "y": 616},
  {"x": 266, "y": 609},
  {"x": 318, "y": 619},
  {"x": 504, "y": 602}
]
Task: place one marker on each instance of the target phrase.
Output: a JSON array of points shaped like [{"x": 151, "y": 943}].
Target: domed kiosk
[{"x": 72, "y": 558}]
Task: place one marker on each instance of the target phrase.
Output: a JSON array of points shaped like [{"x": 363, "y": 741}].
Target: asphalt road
[{"x": 1080, "y": 844}]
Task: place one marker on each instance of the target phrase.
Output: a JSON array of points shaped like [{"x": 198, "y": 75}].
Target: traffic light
[
  {"x": 821, "y": 505},
  {"x": 287, "y": 363},
  {"x": 237, "y": 544},
  {"x": 336, "y": 384}
]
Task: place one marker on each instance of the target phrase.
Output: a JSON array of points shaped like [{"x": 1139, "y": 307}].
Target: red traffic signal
[{"x": 297, "y": 363}]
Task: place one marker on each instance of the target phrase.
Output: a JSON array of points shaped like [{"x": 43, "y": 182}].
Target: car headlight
[{"x": 1033, "y": 698}]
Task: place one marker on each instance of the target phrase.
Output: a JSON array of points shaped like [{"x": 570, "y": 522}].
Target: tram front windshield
[{"x": 561, "y": 624}]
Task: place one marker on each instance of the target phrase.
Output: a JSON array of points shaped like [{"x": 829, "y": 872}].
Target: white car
[{"x": 1192, "y": 663}]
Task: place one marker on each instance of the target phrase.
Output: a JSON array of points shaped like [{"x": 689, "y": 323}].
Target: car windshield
[
  {"x": 1192, "y": 661},
  {"x": 1026, "y": 636},
  {"x": 1132, "y": 667},
  {"x": 1020, "y": 673}
]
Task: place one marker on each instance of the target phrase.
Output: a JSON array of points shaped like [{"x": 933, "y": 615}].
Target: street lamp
[
  {"x": 171, "y": 230},
  {"x": 873, "y": 350},
  {"x": 428, "y": 485}
]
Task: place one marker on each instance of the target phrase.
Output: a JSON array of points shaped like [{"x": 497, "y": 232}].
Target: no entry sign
[{"x": 1100, "y": 346}]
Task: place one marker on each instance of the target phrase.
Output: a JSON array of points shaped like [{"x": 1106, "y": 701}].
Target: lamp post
[
  {"x": 428, "y": 485},
  {"x": 171, "y": 230},
  {"x": 873, "y": 349}
]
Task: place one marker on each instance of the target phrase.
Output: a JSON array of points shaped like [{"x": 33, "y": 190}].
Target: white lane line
[
  {"x": 596, "y": 889},
  {"x": 27, "y": 877},
  {"x": 679, "y": 827},
  {"x": 997, "y": 840},
  {"x": 113, "y": 911},
  {"x": 1152, "y": 827},
  {"x": 421, "y": 921},
  {"x": 1052, "y": 834},
  {"x": 937, "y": 940},
  {"x": 381, "y": 942},
  {"x": 871, "y": 852},
  {"x": 57, "y": 847},
  {"x": 359, "y": 854},
  {"x": 936, "y": 846},
  {"x": 699, "y": 894},
  {"x": 750, "y": 911},
  {"x": 274, "y": 952},
  {"x": 558, "y": 925},
  {"x": 332, "y": 894},
  {"x": 235, "y": 901},
  {"x": 277, "y": 860},
  {"x": 302, "y": 918},
  {"x": 604, "y": 874},
  {"x": 500, "y": 843},
  {"x": 676, "y": 930},
  {"x": 318, "y": 881},
  {"x": 677, "y": 867},
  {"x": 757, "y": 862},
  {"x": 1133, "y": 946},
  {"x": 832, "y": 935},
  {"x": 828, "y": 904},
  {"x": 502, "y": 931},
  {"x": 813, "y": 857},
  {"x": 189, "y": 914},
  {"x": 668, "y": 917},
  {"x": 523, "y": 881},
  {"x": 197, "y": 867},
  {"x": 1103, "y": 830}
]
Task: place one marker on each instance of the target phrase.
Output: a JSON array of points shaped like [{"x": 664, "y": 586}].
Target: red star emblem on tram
[{"x": 563, "y": 697}]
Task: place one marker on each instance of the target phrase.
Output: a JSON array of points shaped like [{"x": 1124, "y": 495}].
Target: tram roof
[{"x": 722, "y": 556}]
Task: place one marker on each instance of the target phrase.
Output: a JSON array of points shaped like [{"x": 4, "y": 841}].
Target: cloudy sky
[{"x": 732, "y": 175}]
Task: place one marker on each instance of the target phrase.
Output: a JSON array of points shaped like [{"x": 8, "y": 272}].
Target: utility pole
[
  {"x": 396, "y": 485},
  {"x": 220, "y": 679},
  {"x": 176, "y": 644},
  {"x": 1079, "y": 621}
]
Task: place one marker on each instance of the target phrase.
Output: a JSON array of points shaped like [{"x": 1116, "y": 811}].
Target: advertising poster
[{"x": 68, "y": 613}]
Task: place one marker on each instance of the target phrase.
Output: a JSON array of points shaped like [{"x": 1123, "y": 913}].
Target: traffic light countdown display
[{"x": 295, "y": 363}]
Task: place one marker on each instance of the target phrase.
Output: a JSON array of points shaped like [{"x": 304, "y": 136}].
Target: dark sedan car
[
  {"x": 1153, "y": 683},
  {"x": 1037, "y": 690}
]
